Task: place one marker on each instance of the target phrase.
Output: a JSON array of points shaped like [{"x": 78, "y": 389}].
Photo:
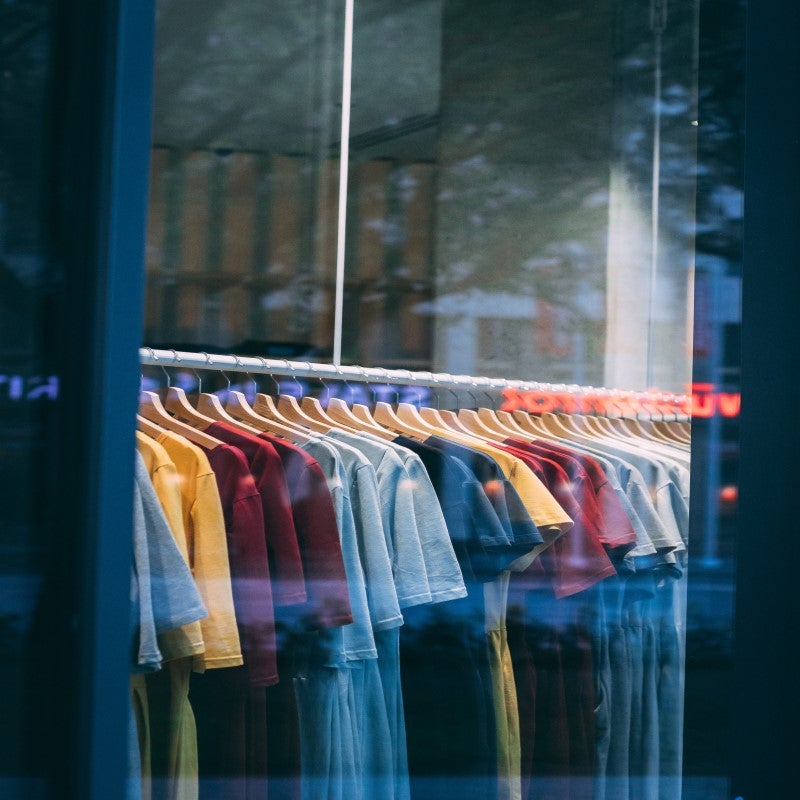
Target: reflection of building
[
  {"x": 241, "y": 246},
  {"x": 496, "y": 333}
]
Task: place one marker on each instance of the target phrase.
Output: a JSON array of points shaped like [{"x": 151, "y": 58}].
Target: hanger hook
[
  {"x": 327, "y": 393},
  {"x": 365, "y": 379},
  {"x": 247, "y": 373},
  {"x": 474, "y": 399},
  {"x": 344, "y": 380},
  {"x": 411, "y": 377},
  {"x": 264, "y": 367},
  {"x": 450, "y": 382},
  {"x": 391, "y": 386},
  {"x": 489, "y": 396},
  {"x": 435, "y": 391},
  {"x": 294, "y": 377},
  {"x": 210, "y": 366},
  {"x": 163, "y": 369}
]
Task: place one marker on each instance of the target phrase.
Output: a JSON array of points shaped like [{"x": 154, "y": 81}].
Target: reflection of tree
[{"x": 24, "y": 73}]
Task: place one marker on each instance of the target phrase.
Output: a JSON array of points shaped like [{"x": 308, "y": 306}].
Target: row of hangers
[{"x": 299, "y": 419}]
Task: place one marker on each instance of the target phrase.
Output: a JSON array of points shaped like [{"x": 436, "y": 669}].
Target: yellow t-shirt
[
  {"x": 188, "y": 639},
  {"x": 207, "y": 550}
]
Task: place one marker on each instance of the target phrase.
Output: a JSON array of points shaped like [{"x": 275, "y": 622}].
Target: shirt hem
[
  {"x": 219, "y": 662},
  {"x": 190, "y": 651},
  {"x": 448, "y": 594},
  {"x": 587, "y": 583},
  {"x": 270, "y": 680},
  {"x": 195, "y": 615},
  {"x": 386, "y": 624},
  {"x": 291, "y": 600},
  {"x": 359, "y": 655},
  {"x": 414, "y": 600}
]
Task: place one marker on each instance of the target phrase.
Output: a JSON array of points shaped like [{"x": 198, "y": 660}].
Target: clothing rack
[{"x": 638, "y": 401}]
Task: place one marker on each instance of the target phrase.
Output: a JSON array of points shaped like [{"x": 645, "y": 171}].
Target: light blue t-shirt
[
  {"x": 384, "y": 607},
  {"x": 445, "y": 580},
  {"x": 164, "y": 593},
  {"x": 354, "y": 641}
]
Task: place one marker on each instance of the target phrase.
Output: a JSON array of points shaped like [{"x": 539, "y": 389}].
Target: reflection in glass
[{"x": 244, "y": 174}]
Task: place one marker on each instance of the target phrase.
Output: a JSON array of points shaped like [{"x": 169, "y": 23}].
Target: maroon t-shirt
[
  {"x": 614, "y": 524},
  {"x": 576, "y": 560},
  {"x": 283, "y": 551},
  {"x": 247, "y": 554},
  {"x": 318, "y": 534}
]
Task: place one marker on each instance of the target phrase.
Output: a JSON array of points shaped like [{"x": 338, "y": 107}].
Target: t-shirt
[
  {"x": 499, "y": 491},
  {"x": 551, "y": 520},
  {"x": 286, "y": 568},
  {"x": 397, "y": 518},
  {"x": 445, "y": 580},
  {"x": 578, "y": 558},
  {"x": 592, "y": 490},
  {"x": 208, "y": 552},
  {"x": 247, "y": 553},
  {"x": 650, "y": 489},
  {"x": 187, "y": 640},
  {"x": 165, "y": 596},
  {"x": 328, "y": 604},
  {"x": 384, "y": 607},
  {"x": 447, "y": 679},
  {"x": 355, "y": 641},
  {"x": 483, "y": 544}
]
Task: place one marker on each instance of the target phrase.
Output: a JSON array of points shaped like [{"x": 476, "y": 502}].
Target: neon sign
[{"x": 702, "y": 401}]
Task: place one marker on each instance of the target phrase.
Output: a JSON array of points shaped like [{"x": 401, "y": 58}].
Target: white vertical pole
[{"x": 344, "y": 158}]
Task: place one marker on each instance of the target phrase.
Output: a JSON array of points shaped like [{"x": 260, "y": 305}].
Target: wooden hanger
[
  {"x": 359, "y": 417},
  {"x": 385, "y": 415},
  {"x": 452, "y": 421},
  {"x": 311, "y": 407},
  {"x": 529, "y": 422},
  {"x": 434, "y": 417},
  {"x": 150, "y": 428},
  {"x": 410, "y": 415},
  {"x": 339, "y": 411},
  {"x": 516, "y": 430},
  {"x": 476, "y": 426},
  {"x": 209, "y": 405},
  {"x": 151, "y": 408},
  {"x": 178, "y": 404},
  {"x": 238, "y": 407}
]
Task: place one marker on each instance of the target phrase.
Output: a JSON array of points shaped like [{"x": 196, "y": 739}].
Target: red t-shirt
[
  {"x": 283, "y": 551},
  {"x": 616, "y": 529},
  {"x": 247, "y": 554},
  {"x": 318, "y": 535},
  {"x": 576, "y": 560}
]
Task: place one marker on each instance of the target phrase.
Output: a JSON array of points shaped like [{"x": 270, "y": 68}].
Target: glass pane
[
  {"x": 28, "y": 390},
  {"x": 543, "y": 192}
]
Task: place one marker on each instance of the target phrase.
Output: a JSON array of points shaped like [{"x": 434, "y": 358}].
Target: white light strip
[{"x": 344, "y": 160}]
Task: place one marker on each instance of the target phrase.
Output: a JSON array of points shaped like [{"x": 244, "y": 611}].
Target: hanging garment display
[{"x": 386, "y": 602}]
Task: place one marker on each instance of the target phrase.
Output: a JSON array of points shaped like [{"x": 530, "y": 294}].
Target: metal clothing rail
[{"x": 444, "y": 380}]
